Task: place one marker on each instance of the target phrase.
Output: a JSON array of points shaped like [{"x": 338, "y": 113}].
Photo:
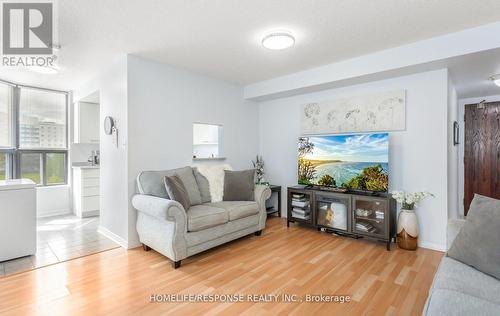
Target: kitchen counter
[
  {"x": 84, "y": 165},
  {"x": 16, "y": 184}
]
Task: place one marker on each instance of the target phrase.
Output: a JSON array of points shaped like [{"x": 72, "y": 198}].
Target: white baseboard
[
  {"x": 114, "y": 237},
  {"x": 432, "y": 246},
  {"x": 54, "y": 213}
]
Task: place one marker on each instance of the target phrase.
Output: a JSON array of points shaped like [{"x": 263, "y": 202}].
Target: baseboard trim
[
  {"x": 114, "y": 237},
  {"x": 54, "y": 213},
  {"x": 432, "y": 246}
]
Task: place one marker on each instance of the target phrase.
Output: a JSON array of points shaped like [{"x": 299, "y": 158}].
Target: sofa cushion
[
  {"x": 187, "y": 177},
  {"x": 203, "y": 185},
  {"x": 477, "y": 242},
  {"x": 203, "y": 216},
  {"x": 151, "y": 183},
  {"x": 215, "y": 177},
  {"x": 239, "y": 185},
  {"x": 456, "y": 276},
  {"x": 448, "y": 302},
  {"x": 177, "y": 191},
  {"x": 237, "y": 209}
]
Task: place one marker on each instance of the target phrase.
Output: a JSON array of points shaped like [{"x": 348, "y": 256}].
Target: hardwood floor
[{"x": 296, "y": 260}]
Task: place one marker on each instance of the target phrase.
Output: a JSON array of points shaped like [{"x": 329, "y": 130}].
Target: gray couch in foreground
[
  {"x": 168, "y": 228},
  {"x": 459, "y": 289}
]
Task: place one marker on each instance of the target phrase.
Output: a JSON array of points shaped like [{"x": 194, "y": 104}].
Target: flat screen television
[{"x": 354, "y": 162}]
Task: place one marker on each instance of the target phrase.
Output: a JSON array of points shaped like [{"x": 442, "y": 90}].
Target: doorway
[{"x": 481, "y": 151}]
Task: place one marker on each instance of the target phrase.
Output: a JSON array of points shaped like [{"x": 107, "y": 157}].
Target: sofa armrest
[
  {"x": 452, "y": 229},
  {"x": 262, "y": 193},
  {"x": 160, "y": 208}
]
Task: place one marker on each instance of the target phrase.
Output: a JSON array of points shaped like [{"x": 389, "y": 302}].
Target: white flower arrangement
[{"x": 408, "y": 200}]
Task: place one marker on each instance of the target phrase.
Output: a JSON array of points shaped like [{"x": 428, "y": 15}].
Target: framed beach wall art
[{"x": 380, "y": 112}]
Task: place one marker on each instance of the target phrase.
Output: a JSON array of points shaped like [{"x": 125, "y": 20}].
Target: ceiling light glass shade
[
  {"x": 496, "y": 79},
  {"x": 278, "y": 40},
  {"x": 44, "y": 70}
]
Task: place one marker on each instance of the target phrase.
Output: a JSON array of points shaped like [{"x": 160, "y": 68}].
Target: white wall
[
  {"x": 461, "y": 115},
  {"x": 112, "y": 86},
  {"x": 163, "y": 103},
  {"x": 53, "y": 200},
  {"x": 453, "y": 208},
  {"x": 418, "y": 156}
]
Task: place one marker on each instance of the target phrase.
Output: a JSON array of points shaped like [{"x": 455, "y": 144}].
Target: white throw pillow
[{"x": 215, "y": 177}]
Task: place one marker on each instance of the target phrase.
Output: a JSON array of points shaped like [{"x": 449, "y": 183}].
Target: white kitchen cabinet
[
  {"x": 86, "y": 191},
  {"x": 205, "y": 134},
  {"x": 86, "y": 123}
]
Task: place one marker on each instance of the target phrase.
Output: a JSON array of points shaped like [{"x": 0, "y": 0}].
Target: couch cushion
[
  {"x": 177, "y": 191},
  {"x": 215, "y": 177},
  {"x": 203, "y": 185},
  {"x": 456, "y": 276},
  {"x": 237, "y": 209},
  {"x": 447, "y": 302},
  {"x": 187, "y": 177},
  {"x": 477, "y": 242},
  {"x": 151, "y": 183},
  {"x": 239, "y": 185},
  {"x": 203, "y": 216}
]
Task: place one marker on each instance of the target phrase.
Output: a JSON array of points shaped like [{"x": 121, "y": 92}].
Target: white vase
[{"x": 407, "y": 232}]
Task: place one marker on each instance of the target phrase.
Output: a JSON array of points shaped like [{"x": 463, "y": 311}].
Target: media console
[{"x": 354, "y": 214}]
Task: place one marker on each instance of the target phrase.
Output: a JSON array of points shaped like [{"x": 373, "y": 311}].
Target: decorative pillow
[
  {"x": 151, "y": 182},
  {"x": 187, "y": 177},
  {"x": 239, "y": 185},
  {"x": 203, "y": 185},
  {"x": 177, "y": 191},
  {"x": 215, "y": 177},
  {"x": 477, "y": 243}
]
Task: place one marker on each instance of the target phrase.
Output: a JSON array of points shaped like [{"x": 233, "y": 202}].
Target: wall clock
[{"x": 109, "y": 123}]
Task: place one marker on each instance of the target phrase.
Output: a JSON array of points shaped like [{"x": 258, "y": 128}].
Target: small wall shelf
[{"x": 209, "y": 158}]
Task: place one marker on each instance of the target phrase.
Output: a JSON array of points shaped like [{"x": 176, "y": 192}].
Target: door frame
[{"x": 461, "y": 147}]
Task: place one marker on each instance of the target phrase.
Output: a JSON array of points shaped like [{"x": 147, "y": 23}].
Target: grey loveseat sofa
[
  {"x": 165, "y": 226},
  {"x": 459, "y": 289}
]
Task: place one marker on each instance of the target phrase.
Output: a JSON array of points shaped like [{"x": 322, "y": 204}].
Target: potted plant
[
  {"x": 258, "y": 164},
  {"x": 407, "y": 230}
]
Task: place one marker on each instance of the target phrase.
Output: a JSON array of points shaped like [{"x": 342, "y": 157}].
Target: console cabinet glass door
[
  {"x": 332, "y": 211},
  {"x": 370, "y": 216}
]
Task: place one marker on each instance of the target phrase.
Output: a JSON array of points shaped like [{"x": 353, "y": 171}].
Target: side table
[{"x": 272, "y": 209}]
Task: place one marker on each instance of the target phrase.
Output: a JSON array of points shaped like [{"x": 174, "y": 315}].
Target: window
[
  {"x": 5, "y": 116},
  {"x": 3, "y": 166},
  {"x": 42, "y": 119},
  {"x": 31, "y": 167},
  {"x": 55, "y": 166},
  {"x": 33, "y": 135}
]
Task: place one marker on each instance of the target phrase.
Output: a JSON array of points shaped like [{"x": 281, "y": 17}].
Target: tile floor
[{"x": 61, "y": 238}]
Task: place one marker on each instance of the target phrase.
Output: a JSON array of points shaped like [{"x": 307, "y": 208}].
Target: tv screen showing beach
[{"x": 356, "y": 162}]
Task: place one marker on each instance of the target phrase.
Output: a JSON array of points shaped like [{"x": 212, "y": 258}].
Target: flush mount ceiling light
[
  {"x": 47, "y": 70},
  {"x": 277, "y": 40},
  {"x": 496, "y": 79}
]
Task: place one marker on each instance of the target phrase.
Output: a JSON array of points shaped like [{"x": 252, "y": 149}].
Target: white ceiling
[
  {"x": 222, "y": 38},
  {"x": 470, "y": 73}
]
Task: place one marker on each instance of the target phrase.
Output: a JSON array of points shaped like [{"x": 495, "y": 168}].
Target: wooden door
[{"x": 482, "y": 151}]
